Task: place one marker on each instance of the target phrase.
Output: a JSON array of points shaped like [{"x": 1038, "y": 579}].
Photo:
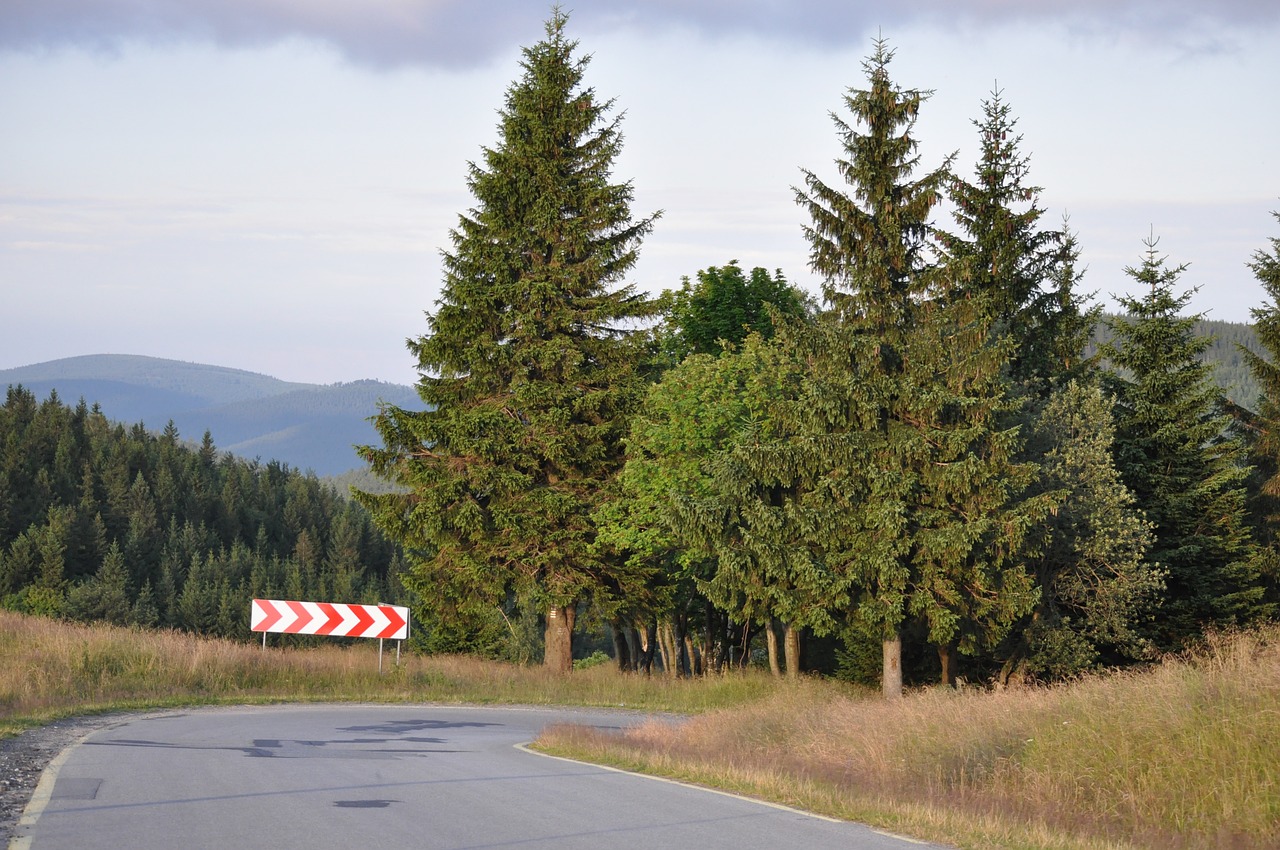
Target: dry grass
[
  {"x": 1186, "y": 755},
  {"x": 50, "y": 669}
]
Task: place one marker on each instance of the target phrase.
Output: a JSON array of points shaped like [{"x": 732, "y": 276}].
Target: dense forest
[
  {"x": 100, "y": 521},
  {"x": 1225, "y": 355}
]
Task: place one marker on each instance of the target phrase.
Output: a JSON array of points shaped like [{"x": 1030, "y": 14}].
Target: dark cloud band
[{"x": 461, "y": 33}]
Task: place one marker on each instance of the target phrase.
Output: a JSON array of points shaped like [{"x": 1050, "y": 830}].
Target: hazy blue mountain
[
  {"x": 308, "y": 426},
  {"x": 315, "y": 426}
]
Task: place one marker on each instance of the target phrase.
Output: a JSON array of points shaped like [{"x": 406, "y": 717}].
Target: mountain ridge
[{"x": 307, "y": 426}]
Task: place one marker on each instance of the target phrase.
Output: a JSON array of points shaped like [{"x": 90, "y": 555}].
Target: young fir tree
[
  {"x": 529, "y": 370},
  {"x": 1174, "y": 451},
  {"x": 919, "y": 479},
  {"x": 1096, "y": 586}
]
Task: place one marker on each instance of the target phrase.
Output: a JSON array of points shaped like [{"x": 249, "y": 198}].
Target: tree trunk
[
  {"x": 771, "y": 640},
  {"x": 635, "y": 647},
  {"x": 621, "y": 651},
  {"x": 791, "y": 640},
  {"x": 694, "y": 656},
  {"x": 713, "y": 643},
  {"x": 558, "y": 640},
  {"x": 667, "y": 649},
  {"x": 891, "y": 672},
  {"x": 649, "y": 642},
  {"x": 947, "y": 657},
  {"x": 679, "y": 633},
  {"x": 744, "y": 659}
]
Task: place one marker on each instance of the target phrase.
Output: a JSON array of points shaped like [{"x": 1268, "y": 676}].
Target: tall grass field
[{"x": 1185, "y": 754}]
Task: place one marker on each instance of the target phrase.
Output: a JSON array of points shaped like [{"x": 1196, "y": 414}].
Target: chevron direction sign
[{"x": 334, "y": 619}]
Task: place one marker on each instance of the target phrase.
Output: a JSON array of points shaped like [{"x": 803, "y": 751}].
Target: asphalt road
[{"x": 385, "y": 777}]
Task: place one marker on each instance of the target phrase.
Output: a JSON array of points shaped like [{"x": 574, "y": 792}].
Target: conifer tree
[
  {"x": 1263, "y": 427},
  {"x": 920, "y": 480},
  {"x": 1003, "y": 253},
  {"x": 1174, "y": 451},
  {"x": 105, "y": 597},
  {"x": 529, "y": 366},
  {"x": 868, "y": 243},
  {"x": 1096, "y": 587}
]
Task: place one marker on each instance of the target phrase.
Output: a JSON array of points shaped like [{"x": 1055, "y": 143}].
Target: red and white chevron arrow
[{"x": 335, "y": 619}]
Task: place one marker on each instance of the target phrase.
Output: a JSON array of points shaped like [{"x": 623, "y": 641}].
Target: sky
[{"x": 268, "y": 184}]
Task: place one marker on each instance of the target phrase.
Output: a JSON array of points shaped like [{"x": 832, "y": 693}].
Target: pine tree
[
  {"x": 868, "y": 243},
  {"x": 1175, "y": 452},
  {"x": 529, "y": 365},
  {"x": 105, "y": 597}
]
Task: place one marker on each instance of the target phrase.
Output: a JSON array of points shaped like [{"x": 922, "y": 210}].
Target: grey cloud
[{"x": 462, "y": 33}]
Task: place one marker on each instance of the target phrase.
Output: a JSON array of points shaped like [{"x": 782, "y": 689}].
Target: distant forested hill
[
  {"x": 1230, "y": 370},
  {"x": 307, "y": 426},
  {"x": 314, "y": 426}
]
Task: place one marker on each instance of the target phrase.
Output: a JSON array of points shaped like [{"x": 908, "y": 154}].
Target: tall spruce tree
[
  {"x": 1175, "y": 452},
  {"x": 868, "y": 242},
  {"x": 922, "y": 488},
  {"x": 1003, "y": 252},
  {"x": 529, "y": 369},
  {"x": 1263, "y": 426}
]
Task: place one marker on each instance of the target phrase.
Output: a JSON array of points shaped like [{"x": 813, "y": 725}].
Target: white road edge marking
[
  {"x": 41, "y": 796},
  {"x": 525, "y": 749}
]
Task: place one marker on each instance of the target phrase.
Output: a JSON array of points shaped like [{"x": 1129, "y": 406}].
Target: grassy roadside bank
[{"x": 1186, "y": 755}]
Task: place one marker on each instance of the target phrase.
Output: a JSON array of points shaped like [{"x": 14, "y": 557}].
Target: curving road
[{"x": 386, "y": 777}]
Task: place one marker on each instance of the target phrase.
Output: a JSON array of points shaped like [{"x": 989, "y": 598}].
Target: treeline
[
  {"x": 102, "y": 522},
  {"x": 927, "y": 476}
]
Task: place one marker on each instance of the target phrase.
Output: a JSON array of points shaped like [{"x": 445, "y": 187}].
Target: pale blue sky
[{"x": 267, "y": 184}]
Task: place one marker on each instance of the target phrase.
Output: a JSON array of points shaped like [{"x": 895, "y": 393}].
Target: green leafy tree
[
  {"x": 704, "y": 486},
  {"x": 530, "y": 363},
  {"x": 1175, "y": 452},
  {"x": 724, "y": 305}
]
